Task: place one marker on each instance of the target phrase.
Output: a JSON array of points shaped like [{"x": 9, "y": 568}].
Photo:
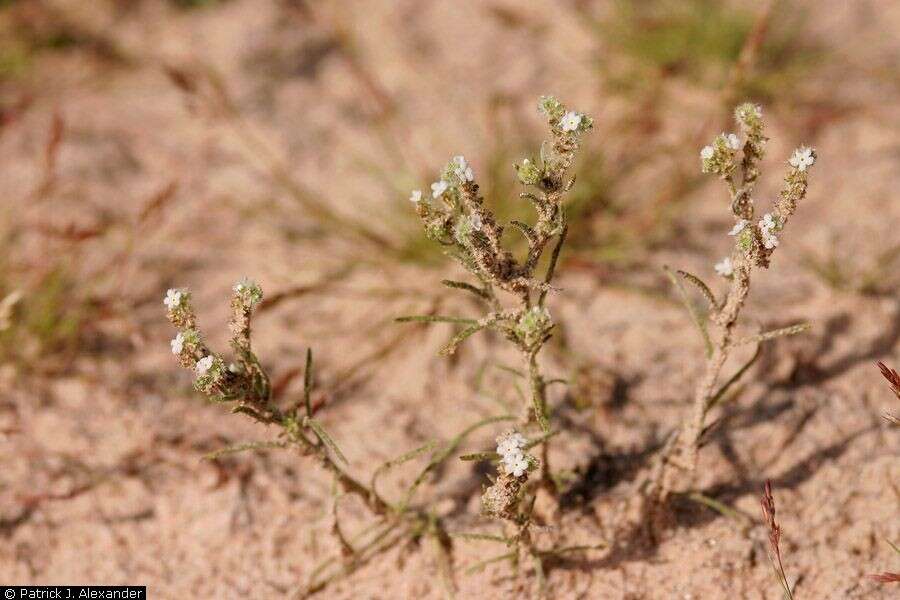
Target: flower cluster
[
  {"x": 244, "y": 381},
  {"x": 718, "y": 157},
  {"x": 768, "y": 225},
  {"x": 534, "y": 324},
  {"x": 511, "y": 448},
  {"x": 457, "y": 216}
]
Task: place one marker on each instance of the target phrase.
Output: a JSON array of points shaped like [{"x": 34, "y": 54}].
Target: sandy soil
[{"x": 102, "y": 479}]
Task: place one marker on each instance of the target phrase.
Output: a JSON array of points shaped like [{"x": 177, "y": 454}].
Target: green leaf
[
  {"x": 692, "y": 311},
  {"x": 435, "y": 319},
  {"x": 242, "y": 447},
  {"x": 396, "y": 462},
  {"x": 308, "y": 382},
  {"x": 479, "y": 456},
  {"x": 459, "y": 338},
  {"x": 441, "y": 455},
  {"x": 486, "y": 537},
  {"x": 775, "y": 333},
  {"x": 325, "y": 438},
  {"x": 461, "y": 285}
]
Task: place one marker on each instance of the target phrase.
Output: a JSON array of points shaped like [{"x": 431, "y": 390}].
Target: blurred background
[{"x": 147, "y": 144}]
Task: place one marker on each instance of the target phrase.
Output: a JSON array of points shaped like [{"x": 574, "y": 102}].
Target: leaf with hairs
[
  {"x": 243, "y": 447},
  {"x": 441, "y": 455},
  {"x": 479, "y": 456},
  {"x": 396, "y": 462},
  {"x": 459, "y": 338},
  {"x": 485, "y": 537},
  {"x": 775, "y": 333},
  {"x": 325, "y": 438},
  {"x": 468, "y": 287},
  {"x": 692, "y": 311},
  {"x": 704, "y": 289},
  {"x": 435, "y": 319}
]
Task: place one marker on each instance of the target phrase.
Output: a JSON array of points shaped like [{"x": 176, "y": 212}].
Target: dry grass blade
[
  {"x": 892, "y": 376},
  {"x": 768, "y": 508}
]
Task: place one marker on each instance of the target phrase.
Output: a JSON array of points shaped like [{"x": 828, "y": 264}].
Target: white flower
[
  {"x": 416, "y": 196},
  {"x": 511, "y": 448},
  {"x": 570, "y": 121},
  {"x": 177, "y": 344},
  {"x": 243, "y": 285},
  {"x": 802, "y": 158},
  {"x": 462, "y": 169},
  {"x": 769, "y": 241},
  {"x": 518, "y": 467},
  {"x": 475, "y": 221},
  {"x": 707, "y": 152},
  {"x": 510, "y": 442},
  {"x": 172, "y": 299},
  {"x": 724, "y": 267},
  {"x": 738, "y": 227},
  {"x": 204, "y": 365},
  {"x": 733, "y": 141},
  {"x": 767, "y": 223},
  {"x": 438, "y": 188}
]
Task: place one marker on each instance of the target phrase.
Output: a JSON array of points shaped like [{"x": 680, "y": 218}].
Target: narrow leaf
[
  {"x": 308, "y": 382},
  {"x": 236, "y": 448},
  {"x": 479, "y": 456},
  {"x": 704, "y": 289},
  {"x": 692, "y": 311},
  {"x": 775, "y": 333},
  {"x": 483, "y": 563},
  {"x": 396, "y": 462},
  {"x": 459, "y": 338},
  {"x": 326, "y": 439},
  {"x": 486, "y": 537},
  {"x": 717, "y": 397},
  {"x": 435, "y": 319},
  {"x": 461, "y": 285}
]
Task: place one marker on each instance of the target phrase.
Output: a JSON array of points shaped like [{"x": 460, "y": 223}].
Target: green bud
[{"x": 528, "y": 172}]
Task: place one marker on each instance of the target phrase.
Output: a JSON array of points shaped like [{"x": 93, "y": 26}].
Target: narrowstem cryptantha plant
[
  {"x": 455, "y": 216},
  {"x": 736, "y": 162},
  {"x": 245, "y": 385}
]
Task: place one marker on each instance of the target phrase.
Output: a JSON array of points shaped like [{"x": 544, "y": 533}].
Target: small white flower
[
  {"x": 738, "y": 227},
  {"x": 475, "y": 221},
  {"x": 770, "y": 241},
  {"x": 767, "y": 223},
  {"x": 462, "y": 168},
  {"x": 416, "y": 196},
  {"x": 570, "y": 121},
  {"x": 233, "y": 368},
  {"x": 204, "y": 365},
  {"x": 802, "y": 158},
  {"x": 438, "y": 188},
  {"x": 172, "y": 299},
  {"x": 707, "y": 152},
  {"x": 517, "y": 468},
  {"x": 177, "y": 344},
  {"x": 733, "y": 141},
  {"x": 243, "y": 285},
  {"x": 725, "y": 268}
]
